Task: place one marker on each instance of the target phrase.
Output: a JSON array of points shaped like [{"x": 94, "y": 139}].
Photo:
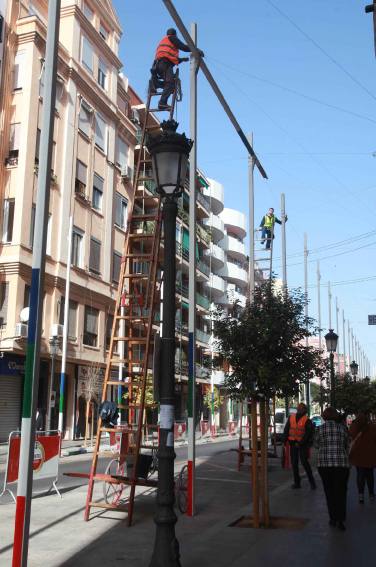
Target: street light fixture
[
  {"x": 169, "y": 153},
  {"x": 354, "y": 369},
  {"x": 331, "y": 340}
]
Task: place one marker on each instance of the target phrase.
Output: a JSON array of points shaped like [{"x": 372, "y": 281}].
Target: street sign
[{"x": 371, "y": 319}]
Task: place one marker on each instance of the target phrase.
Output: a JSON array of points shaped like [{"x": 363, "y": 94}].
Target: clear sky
[{"x": 302, "y": 77}]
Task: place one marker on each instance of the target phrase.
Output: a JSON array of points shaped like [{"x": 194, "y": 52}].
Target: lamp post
[
  {"x": 169, "y": 153},
  {"x": 331, "y": 340},
  {"x": 354, "y": 370}
]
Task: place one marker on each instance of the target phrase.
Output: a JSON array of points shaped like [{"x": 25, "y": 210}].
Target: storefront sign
[{"x": 11, "y": 364}]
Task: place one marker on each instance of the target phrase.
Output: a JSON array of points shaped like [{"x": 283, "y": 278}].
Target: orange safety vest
[
  {"x": 167, "y": 50},
  {"x": 297, "y": 429}
]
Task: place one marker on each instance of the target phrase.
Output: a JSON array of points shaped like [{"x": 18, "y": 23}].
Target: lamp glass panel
[{"x": 167, "y": 169}]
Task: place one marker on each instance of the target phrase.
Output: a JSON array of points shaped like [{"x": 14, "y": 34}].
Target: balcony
[
  {"x": 182, "y": 289},
  {"x": 215, "y": 196},
  {"x": 203, "y": 202},
  {"x": 182, "y": 251},
  {"x": 233, "y": 296},
  {"x": 234, "y": 274},
  {"x": 203, "y": 268},
  {"x": 202, "y": 337},
  {"x": 202, "y": 301},
  {"x": 235, "y": 248},
  {"x": 234, "y": 222},
  {"x": 216, "y": 226},
  {"x": 203, "y": 234},
  {"x": 183, "y": 215},
  {"x": 216, "y": 256},
  {"x": 216, "y": 285}
]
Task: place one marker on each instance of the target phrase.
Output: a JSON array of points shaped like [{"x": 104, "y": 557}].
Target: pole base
[{"x": 166, "y": 553}]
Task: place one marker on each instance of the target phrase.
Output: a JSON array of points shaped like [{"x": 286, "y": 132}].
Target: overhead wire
[{"x": 320, "y": 48}]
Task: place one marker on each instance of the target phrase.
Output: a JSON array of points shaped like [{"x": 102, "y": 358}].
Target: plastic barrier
[{"x": 45, "y": 464}]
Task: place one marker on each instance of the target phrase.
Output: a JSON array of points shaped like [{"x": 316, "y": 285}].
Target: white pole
[
  {"x": 194, "y": 66},
  {"x": 306, "y": 311},
  {"x": 251, "y": 221},
  {"x": 351, "y": 356},
  {"x": 330, "y": 305},
  {"x": 338, "y": 333},
  {"x": 319, "y": 301},
  {"x": 344, "y": 343},
  {"x": 65, "y": 328},
  {"x": 284, "y": 262}
]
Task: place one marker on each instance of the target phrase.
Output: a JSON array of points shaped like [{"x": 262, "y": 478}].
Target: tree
[
  {"x": 263, "y": 345},
  {"x": 354, "y": 397},
  {"x": 92, "y": 394}
]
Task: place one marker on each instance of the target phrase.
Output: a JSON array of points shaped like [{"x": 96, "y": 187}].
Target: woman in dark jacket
[{"x": 363, "y": 453}]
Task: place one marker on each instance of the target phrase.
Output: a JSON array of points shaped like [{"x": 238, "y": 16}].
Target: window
[
  {"x": 122, "y": 150},
  {"x": 49, "y": 239},
  {"x": 84, "y": 119},
  {"x": 121, "y": 205},
  {"x": 8, "y": 219},
  {"x": 88, "y": 12},
  {"x": 100, "y": 132},
  {"x": 18, "y": 71},
  {"x": 14, "y": 139},
  {"x": 4, "y": 287},
  {"x": 26, "y": 301},
  {"x": 81, "y": 175},
  {"x": 103, "y": 32},
  {"x": 87, "y": 54},
  {"x": 32, "y": 225},
  {"x": 91, "y": 326},
  {"x": 95, "y": 256},
  {"x": 97, "y": 192},
  {"x": 109, "y": 323},
  {"x": 77, "y": 241},
  {"x": 72, "y": 317},
  {"x": 102, "y": 74},
  {"x": 116, "y": 265},
  {"x": 37, "y": 146}
]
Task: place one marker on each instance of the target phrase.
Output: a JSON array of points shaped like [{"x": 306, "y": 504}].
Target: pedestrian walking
[
  {"x": 166, "y": 57},
  {"x": 299, "y": 432},
  {"x": 363, "y": 453},
  {"x": 332, "y": 442}
]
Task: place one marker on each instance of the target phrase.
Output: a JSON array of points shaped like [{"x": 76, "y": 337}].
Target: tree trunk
[
  {"x": 86, "y": 423},
  {"x": 255, "y": 472}
]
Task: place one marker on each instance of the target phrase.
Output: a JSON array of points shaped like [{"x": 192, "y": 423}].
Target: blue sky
[{"x": 319, "y": 153}]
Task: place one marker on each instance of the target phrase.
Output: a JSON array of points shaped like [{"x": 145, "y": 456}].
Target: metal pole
[
  {"x": 251, "y": 221},
  {"x": 183, "y": 30},
  {"x": 51, "y": 383},
  {"x": 344, "y": 344},
  {"x": 65, "y": 329},
  {"x": 192, "y": 280},
  {"x": 338, "y": 333},
  {"x": 351, "y": 355},
  {"x": 307, "y": 388},
  {"x": 31, "y": 382},
  {"x": 330, "y": 305},
  {"x": 319, "y": 325},
  {"x": 332, "y": 382},
  {"x": 166, "y": 547},
  {"x": 284, "y": 262}
]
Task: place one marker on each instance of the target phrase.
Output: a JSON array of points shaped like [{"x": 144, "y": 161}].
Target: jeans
[
  {"x": 165, "y": 71},
  {"x": 266, "y": 234},
  {"x": 364, "y": 475},
  {"x": 297, "y": 452},
  {"x": 334, "y": 480}
]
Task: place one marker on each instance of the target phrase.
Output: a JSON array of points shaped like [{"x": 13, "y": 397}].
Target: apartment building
[{"x": 94, "y": 143}]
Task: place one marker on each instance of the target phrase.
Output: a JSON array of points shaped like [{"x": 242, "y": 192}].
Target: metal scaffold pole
[
  {"x": 251, "y": 220},
  {"x": 307, "y": 385},
  {"x": 31, "y": 382},
  {"x": 319, "y": 325},
  {"x": 194, "y": 66},
  {"x": 344, "y": 343}
]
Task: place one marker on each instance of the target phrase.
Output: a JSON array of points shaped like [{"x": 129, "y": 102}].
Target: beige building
[{"x": 94, "y": 144}]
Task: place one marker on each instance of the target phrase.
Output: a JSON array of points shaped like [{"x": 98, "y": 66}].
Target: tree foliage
[
  {"x": 354, "y": 397},
  {"x": 264, "y": 345}
]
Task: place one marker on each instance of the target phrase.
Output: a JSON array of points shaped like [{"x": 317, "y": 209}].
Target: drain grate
[{"x": 276, "y": 522}]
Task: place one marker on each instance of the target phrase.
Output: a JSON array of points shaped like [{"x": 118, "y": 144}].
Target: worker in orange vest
[
  {"x": 162, "y": 71},
  {"x": 299, "y": 432}
]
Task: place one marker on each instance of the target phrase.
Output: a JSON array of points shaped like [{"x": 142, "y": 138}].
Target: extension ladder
[{"x": 132, "y": 338}]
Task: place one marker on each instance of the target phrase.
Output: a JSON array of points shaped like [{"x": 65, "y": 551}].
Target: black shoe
[
  {"x": 341, "y": 526},
  {"x": 332, "y": 523},
  {"x": 295, "y": 486},
  {"x": 162, "y": 106}
]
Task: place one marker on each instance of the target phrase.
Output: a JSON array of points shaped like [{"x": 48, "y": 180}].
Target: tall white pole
[
  {"x": 344, "y": 343},
  {"x": 338, "y": 333},
  {"x": 194, "y": 66},
  {"x": 284, "y": 262},
  {"x": 31, "y": 381},
  {"x": 330, "y": 305},
  {"x": 65, "y": 329},
  {"x": 307, "y": 389},
  {"x": 251, "y": 221},
  {"x": 353, "y": 346},
  {"x": 351, "y": 355},
  {"x": 319, "y": 301}
]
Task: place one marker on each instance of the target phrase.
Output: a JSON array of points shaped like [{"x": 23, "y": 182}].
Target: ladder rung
[
  {"x": 134, "y": 318},
  {"x": 141, "y": 235},
  {"x": 128, "y": 339},
  {"x": 136, "y": 218},
  {"x": 118, "y": 430},
  {"x": 120, "y": 508},
  {"x": 129, "y": 406},
  {"x": 136, "y": 276},
  {"x": 116, "y": 383},
  {"x": 160, "y": 109},
  {"x": 142, "y": 256}
]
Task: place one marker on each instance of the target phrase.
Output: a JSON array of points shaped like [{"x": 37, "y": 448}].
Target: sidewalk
[{"x": 60, "y": 538}]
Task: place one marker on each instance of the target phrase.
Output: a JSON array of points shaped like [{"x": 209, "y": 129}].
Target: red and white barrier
[{"x": 45, "y": 463}]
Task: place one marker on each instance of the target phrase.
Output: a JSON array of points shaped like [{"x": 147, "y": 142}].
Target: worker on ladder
[
  {"x": 267, "y": 224},
  {"x": 162, "y": 71}
]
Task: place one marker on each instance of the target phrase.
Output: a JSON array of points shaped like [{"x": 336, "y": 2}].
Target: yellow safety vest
[{"x": 269, "y": 221}]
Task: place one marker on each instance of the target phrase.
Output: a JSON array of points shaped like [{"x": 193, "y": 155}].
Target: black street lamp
[
  {"x": 354, "y": 369},
  {"x": 331, "y": 340},
  {"x": 169, "y": 152}
]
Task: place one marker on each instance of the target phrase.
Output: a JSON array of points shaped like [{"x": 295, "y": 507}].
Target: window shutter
[
  {"x": 81, "y": 172},
  {"x": 91, "y": 320},
  {"x": 18, "y": 73},
  {"x": 3, "y": 303},
  {"x": 87, "y": 54},
  {"x": 116, "y": 265},
  {"x": 98, "y": 182},
  {"x": 95, "y": 253},
  {"x": 84, "y": 121},
  {"x": 14, "y": 142},
  {"x": 122, "y": 153},
  {"x": 100, "y": 132}
]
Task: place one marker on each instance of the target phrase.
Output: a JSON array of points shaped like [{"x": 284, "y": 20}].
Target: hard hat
[{"x": 171, "y": 31}]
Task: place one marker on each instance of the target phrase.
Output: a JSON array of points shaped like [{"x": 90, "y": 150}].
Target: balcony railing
[
  {"x": 203, "y": 234},
  {"x": 202, "y": 267},
  {"x": 202, "y": 301},
  {"x": 183, "y": 215},
  {"x": 202, "y": 336},
  {"x": 182, "y": 289},
  {"x": 203, "y": 201}
]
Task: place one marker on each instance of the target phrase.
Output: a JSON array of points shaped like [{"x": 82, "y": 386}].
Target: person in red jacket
[
  {"x": 299, "y": 432},
  {"x": 166, "y": 57}
]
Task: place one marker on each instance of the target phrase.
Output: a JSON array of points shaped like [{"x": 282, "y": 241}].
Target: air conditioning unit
[
  {"x": 57, "y": 330},
  {"x": 135, "y": 116},
  {"x": 127, "y": 173},
  {"x": 21, "y": 330}
]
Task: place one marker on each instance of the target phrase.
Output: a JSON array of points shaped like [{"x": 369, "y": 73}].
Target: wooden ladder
[{"x": 132, "y": 331}]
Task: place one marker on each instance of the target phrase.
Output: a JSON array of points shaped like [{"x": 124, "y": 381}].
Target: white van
[{"x": 280, "y": 422}]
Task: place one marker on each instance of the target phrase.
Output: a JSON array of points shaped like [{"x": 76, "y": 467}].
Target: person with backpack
[
  {"x": 299, "y": 433},
  {"x": 363, "y": 454}
]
